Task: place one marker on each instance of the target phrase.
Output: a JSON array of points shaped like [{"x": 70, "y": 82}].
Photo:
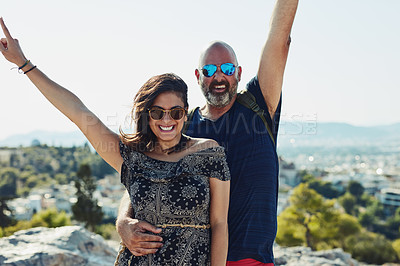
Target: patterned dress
[{"x": 173, "y": 193}]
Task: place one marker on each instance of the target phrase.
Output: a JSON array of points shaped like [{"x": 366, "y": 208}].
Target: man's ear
[
  {"x": 197, "y": 73},
  {"x": 239, "y": 72}
]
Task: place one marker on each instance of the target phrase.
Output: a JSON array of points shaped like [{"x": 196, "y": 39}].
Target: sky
[{"x": 343, "y": 63}]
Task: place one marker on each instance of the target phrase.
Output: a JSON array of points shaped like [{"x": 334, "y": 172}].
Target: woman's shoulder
[
  {"x": 129, "y": 154},
  {"x": 210, "y": 158},
  {"x": 199, "y": 144}
]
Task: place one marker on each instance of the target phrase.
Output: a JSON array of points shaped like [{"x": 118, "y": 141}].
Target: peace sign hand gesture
[{"x": 10, "y": 48}]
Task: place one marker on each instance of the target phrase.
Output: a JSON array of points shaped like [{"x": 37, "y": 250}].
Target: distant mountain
[
  {"x": 298, "y": 134},
  {"x": 66, "y": 139},
  {"x": 336, "y": 134}
]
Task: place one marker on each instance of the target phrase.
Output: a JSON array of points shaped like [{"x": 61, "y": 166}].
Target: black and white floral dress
[{"x": 173, "y": 193}]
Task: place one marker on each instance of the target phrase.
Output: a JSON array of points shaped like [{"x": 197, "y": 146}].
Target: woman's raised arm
[{"x": 104, "y": 141}]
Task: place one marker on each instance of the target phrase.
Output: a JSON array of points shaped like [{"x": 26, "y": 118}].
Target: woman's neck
[
  {"x": 164, "y": 147},
  {"x": 171, "y": 146}
]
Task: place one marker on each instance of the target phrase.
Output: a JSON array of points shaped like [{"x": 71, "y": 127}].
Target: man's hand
[{"x": 136, "y": 236}]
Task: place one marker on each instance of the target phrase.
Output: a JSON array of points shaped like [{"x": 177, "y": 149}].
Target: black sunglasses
[
  {"x": 227, "y": 68},
  {"x": 158, "y": 113}
]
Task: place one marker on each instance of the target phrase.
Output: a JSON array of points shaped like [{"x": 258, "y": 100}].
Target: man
[{"x": 250, "y": 150}]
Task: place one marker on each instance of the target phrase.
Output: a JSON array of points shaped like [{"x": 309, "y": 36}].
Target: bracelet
[
  {"x": 27, "y": 62},
  {"x": 30, "y": 69}
]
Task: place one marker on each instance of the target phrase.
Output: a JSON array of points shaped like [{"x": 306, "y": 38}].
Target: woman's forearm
[
  {"x": 219, "y": 243},
  {"x": 64, "y": 100}
]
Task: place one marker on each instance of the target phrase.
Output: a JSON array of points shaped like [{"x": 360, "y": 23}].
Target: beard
[{"x": 219, "y": 99}]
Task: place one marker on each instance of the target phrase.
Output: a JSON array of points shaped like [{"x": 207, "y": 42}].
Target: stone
[
  {"x": 293, "y": 256},
  {"x": 74, "y": 245},
  {"x": 68, "y": 245}
]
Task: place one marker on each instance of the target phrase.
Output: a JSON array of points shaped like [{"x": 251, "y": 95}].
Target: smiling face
[
  {"x": 167, "y": 130},
  {"x": 219, "y": 89}
]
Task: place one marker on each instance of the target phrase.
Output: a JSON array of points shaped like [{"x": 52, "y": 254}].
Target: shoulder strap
[
  {"x": 248, "y": 100},
  {"x": 189, "y": 119}
]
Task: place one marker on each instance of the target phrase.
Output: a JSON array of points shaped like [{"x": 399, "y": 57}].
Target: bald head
[
  {"x": 220, "y": 88},
  {"x": 217, "y": 50}
]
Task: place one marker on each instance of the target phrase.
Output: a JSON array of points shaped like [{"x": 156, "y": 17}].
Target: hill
[{"x": 290, "y": 132}]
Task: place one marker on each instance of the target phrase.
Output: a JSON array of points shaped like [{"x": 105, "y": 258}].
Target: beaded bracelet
[
  {"x": 19, "y": 69},
  {"x": 30, "y": 69},
  {"x": 27, "y": 62}
]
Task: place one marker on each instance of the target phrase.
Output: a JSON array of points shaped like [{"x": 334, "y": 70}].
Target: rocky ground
[
  {"x": 62, "y": 246},
  {"x": 74, "y": 245}
]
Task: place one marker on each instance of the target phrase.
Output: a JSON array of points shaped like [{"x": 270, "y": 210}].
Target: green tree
[
  {"x": 45, "y": 218},
  {"x": 50, "y": 218},
  {"x": 371, "y": 248},
  {"x": 86, "y": 208},
  {"x": 389, "y": 228},
  {"x": 310, "y": 218},
  {"x": 41, "y": 165},
  {"x": 20, "y": 225},
  {"x": 15, "y": 161},
  {"x": 8, "y": 190},
  {"x": 323, "y": 188},
  {"x": 61, "y": 178},
  {"x": 366, "y": 200},
  {"x": 101, "y": 167},
  {"x": 348, "y": 202},
  {"x": 306, "y": 177},
  {"x": 367, "y": 220},
  {"x": 356, "y": 189},
  {"x": 290, "y": 232},
  {"x": 396, "y": 247},
  {"x": 347, "y": 226},
  {"x": 372, "y": 217},
  {"x": 376, "y": 209},
  {"x": 107, "y": 231}
]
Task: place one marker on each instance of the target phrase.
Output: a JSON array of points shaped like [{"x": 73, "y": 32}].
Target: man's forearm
[
  {"x": 139, "y": 237},
  {"x": 125, "y": 209},
  {"x": 274, "y": 53}
]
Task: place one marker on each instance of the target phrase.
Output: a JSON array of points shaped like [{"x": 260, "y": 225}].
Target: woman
[{"x": 175, "y": 182}]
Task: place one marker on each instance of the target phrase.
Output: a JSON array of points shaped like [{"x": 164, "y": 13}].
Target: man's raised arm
[{"x": 275, "y": 52}]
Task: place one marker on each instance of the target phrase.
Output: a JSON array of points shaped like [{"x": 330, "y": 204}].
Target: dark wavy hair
[{"x": 144, "y": 139}]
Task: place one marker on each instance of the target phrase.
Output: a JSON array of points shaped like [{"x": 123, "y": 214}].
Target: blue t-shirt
[{"x": 253, "y": 163}]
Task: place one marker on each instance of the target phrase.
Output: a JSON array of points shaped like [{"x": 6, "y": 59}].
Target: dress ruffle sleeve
[
  {"x": 214, "y": 164},
  {"x": 127, "y": 165}
]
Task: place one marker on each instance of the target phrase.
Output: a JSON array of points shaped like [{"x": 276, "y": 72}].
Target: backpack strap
[
  {"x": 189, "y": 119},
  {"x": 248, "y": 100}
]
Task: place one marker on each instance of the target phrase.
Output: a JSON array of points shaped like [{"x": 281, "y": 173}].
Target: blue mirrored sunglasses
[{"x": 227, "y": 68}]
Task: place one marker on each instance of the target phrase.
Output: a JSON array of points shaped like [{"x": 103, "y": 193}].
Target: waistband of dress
[{"x": 204, "y": 226}]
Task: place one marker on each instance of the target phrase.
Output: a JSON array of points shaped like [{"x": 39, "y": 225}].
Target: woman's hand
[{"x": 10, "y": 48}]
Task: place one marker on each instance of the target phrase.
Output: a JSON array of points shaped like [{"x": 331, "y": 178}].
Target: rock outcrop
[
  {"x": 62, "y": 246},
  {"x": 74, "y": 245},
  {"x": 295, "y": 256}
]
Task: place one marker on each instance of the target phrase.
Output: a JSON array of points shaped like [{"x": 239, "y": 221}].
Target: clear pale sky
[{"x": 343, "y": 63}]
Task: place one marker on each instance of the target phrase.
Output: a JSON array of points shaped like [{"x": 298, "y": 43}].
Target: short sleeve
[
  {"x": 254, "y": 87},
  {"x": 125, "y": 152},
  {"x": 214, "y": 164}
]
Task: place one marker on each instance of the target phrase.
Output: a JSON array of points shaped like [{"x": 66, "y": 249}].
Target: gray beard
[{"x": 221, "y": 99}]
